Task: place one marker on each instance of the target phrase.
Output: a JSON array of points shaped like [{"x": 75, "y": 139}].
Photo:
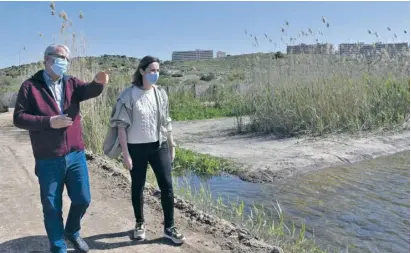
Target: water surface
[{"x": 364, "y": 207}]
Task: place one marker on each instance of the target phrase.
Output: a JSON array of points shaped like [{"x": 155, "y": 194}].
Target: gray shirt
[{"x": 56, "y": 88}]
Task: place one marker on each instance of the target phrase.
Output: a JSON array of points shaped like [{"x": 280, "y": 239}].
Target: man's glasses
[{"x": 60, "y": 57}]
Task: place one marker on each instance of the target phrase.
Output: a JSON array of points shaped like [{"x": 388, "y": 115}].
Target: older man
[{"x": 48, "y": 106}]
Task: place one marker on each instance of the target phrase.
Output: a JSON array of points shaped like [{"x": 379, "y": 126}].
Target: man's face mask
[{"x": 59, "y": 66}]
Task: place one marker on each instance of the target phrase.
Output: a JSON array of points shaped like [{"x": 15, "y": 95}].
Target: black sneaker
[
  {"x": 174, "y": 235},
  {"x": 78, "y": 243},
  {"x": 139, "y": 232}
]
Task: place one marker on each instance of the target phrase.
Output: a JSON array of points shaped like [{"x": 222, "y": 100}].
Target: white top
[{"x": 144, "y": 128}]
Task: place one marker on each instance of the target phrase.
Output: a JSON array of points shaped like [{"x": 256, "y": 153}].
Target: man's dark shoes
[{"x": 78, "y": 243}]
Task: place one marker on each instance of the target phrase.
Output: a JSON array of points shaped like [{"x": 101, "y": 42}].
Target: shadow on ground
[{"x": 40, "y": 244}]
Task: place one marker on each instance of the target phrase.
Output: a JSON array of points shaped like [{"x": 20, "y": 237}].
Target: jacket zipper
[
  {"x": 48, "y": 89},
  {"x": 53, "y": 95},
  {"x": 63, "y": 108},
  {"x": 65, "y": 141}
]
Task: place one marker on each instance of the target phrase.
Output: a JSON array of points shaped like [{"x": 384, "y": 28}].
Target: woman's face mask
[
  {"x": 152, "y": 73},
  {"x": 152, "y": 77}
]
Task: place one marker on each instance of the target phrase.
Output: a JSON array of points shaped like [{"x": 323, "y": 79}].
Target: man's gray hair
[{"x": 53, "y": 48}]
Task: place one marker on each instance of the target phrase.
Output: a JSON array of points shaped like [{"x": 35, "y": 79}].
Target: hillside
[
  {"x": 314, "y": 87},
  {"x": 124, "y": 66},
  {"x": 228, "y": 70}
]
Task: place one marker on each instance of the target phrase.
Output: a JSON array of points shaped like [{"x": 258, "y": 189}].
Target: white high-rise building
[
  {"x": 221, "y": 54},
  {"x": 192, "y": 55}
]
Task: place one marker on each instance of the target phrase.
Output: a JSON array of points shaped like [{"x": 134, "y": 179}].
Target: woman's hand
[
  {"x": 122, "y": 136},
  {"x": 127, "y": 162},
  {"x": 172, "y": 153}
]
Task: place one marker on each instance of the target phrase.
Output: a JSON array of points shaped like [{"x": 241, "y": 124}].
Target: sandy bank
[{"x": 267, "y": 158}]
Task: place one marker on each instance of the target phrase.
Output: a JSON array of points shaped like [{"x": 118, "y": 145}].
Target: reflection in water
[{"x": 363, "y": 207}]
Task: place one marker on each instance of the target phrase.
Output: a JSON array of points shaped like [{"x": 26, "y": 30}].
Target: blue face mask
[
  {"x": 152, "y": 77},
  {"x": 59, "y": 66}
]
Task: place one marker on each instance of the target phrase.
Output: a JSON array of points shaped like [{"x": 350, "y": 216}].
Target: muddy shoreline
[{"x": 266, "y": 159}]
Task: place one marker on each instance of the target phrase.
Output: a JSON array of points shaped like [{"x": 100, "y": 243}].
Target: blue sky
[{"x": 157, "y": 28}]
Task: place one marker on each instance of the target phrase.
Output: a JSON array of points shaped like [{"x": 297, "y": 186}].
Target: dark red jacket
[{"x": 35, "y": 105}]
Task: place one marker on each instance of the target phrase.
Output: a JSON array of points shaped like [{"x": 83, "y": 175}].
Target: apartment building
[
  {"x": 350, "y": 48},
  {"x": 372, "y": 49},
  {"x": 192, "y": 55},
  {"x": 220, "y": 54},
  {"x": 319, "y": 48}
]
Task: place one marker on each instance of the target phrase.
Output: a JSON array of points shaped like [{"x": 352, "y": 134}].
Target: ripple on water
[{"x": 364, "y": 206}]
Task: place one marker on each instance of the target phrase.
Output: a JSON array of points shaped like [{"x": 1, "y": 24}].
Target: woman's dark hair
[{"x": 147, "y": 60}]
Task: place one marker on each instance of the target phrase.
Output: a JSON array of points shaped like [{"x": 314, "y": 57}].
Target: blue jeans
[{"x": 70, "y": 170}]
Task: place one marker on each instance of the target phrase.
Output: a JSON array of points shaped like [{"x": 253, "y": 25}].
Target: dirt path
[
  {"x": 267, "y": 159},
  {"x": 107, "y": 224}
]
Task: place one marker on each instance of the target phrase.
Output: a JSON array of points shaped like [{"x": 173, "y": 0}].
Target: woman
[{"x": 148, "y": 139}]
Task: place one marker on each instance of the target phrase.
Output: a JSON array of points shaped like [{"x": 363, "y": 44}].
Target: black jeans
[{"x": 160, "y": 161}]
